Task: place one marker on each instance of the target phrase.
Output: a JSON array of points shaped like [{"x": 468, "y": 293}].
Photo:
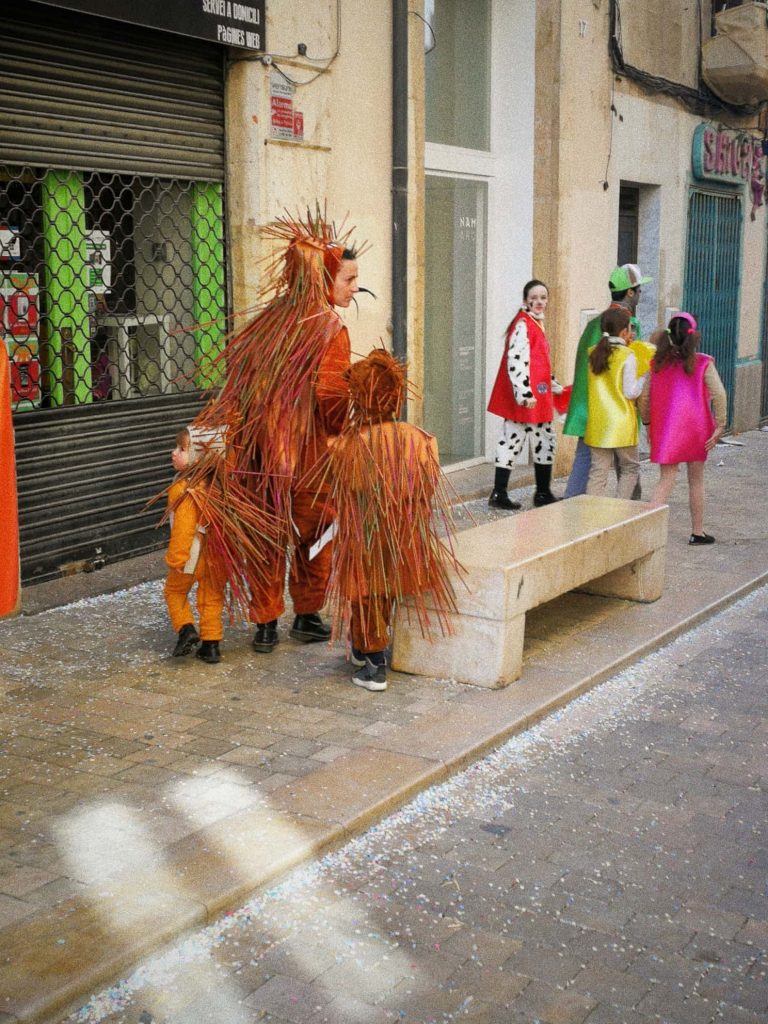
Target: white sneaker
[{"x": 372, "y": 675}]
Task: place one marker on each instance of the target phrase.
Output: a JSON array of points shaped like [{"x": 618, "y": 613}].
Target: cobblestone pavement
[
  {"x": 608, "y": 866},
  {"x": 143, "y": 795}
]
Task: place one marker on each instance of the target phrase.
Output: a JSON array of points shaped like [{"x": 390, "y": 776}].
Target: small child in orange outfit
[
  {"x": 188, "y": 561},
  {"x": 390, "y": 501}
]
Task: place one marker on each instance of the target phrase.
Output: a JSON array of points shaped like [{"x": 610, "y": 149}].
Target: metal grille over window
[
  {"x": 111, "y": 285},
  {"x": 112, "y": 270}
]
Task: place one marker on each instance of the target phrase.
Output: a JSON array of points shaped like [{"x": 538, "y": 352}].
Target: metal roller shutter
[
  {"x": 87, "y": 93},
  {"x": 113, "y": 294},
  {"x": 85, "y": 476}
]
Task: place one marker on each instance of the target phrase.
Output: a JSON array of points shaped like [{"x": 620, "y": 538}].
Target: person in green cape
[{"x": 625, "y": 285}]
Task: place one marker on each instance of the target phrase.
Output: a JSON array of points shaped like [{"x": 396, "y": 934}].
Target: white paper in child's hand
[{"x": 325, "y": 538}]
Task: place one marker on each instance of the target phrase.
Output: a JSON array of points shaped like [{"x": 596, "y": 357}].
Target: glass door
[
  {"x": 454, "y": 315},
  {"x": 459, "y": 168}
]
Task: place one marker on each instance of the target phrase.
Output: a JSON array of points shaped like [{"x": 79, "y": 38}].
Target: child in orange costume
[
  {"x": 189, "y": 562},
  {"x": 386, "y": 478}
]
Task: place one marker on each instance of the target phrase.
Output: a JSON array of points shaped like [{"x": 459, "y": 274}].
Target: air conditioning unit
[{"x": 735, "y": 61}]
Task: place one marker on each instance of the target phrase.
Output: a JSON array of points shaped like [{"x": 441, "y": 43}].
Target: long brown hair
[
  {"x": 612, "y": 323},
  {"x": 677, "y": 344}
]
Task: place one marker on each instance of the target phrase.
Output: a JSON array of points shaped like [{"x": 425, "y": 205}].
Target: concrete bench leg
[
  {"x": 481, "y": 652},
  {"x": 642, "y": 580}
]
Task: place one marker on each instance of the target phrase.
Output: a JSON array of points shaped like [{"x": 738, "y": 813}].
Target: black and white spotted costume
[{"x": 540, "y": 436}]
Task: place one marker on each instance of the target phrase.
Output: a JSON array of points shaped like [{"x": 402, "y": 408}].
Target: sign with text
[
  {"x": 723, "y": 154},
  {"x": 217, "y": 21},
  {"x": 730, "y": 157},
  {"x": 286, "y": 123},
  {"x": 98, "y": 257},
  {"x": 10, "y": 243}
]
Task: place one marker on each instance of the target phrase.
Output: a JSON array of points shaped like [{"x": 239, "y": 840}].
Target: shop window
[
  {"x": 458, "y": 68},
  {"x": 111, "y": 285}
]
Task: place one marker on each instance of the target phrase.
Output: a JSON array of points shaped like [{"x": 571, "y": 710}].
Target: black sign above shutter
[{"x": 218, "y": 21}]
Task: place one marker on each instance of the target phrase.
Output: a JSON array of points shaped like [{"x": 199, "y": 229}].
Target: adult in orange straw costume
[
  {"x": 394, "y": 521},
  {"x": 284, "y": 396}
]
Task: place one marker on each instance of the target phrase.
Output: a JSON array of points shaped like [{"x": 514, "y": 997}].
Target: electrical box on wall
[{"x": 735, "y": 61}]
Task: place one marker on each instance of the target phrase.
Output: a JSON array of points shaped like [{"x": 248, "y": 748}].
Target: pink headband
[{"x": 688, "y": 318}]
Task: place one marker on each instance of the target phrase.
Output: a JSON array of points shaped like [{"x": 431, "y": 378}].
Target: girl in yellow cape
[{"x": 393, "y": 520}]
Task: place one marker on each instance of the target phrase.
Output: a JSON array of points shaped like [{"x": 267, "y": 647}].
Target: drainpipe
[{"x": 399, "y": 177}]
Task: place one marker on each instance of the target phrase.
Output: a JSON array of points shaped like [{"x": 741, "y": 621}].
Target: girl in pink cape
[{"x": 684, "y": 402}]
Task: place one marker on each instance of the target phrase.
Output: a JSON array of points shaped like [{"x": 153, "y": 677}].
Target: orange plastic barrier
[{"x": 10, "y": 592}]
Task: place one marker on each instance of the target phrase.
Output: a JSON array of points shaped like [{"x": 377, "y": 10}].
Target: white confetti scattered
[{"x": 282, "y": 914}]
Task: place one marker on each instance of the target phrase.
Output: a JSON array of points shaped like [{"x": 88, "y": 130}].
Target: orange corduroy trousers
[
  {"x": 308, "y": 578},
  {"x": 209, "y": 599}
]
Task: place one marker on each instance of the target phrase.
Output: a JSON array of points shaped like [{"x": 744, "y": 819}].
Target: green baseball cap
[{"x": 627, "y": 276}]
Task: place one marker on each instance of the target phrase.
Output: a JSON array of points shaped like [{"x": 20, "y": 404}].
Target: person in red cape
[
  {"x": 283, "y": 397},
  {"x": 526, "y": 396}
]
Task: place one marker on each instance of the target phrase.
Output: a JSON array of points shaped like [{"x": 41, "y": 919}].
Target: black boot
[
  {"x": 543, "y": 495},
  {"x": 499, "y": 497},
  {"x": 265, "y": 638},
  {"x": 209, "y": 652},
  {"x": 187, "y": 641},
  {"x": 309, "y": 629}
]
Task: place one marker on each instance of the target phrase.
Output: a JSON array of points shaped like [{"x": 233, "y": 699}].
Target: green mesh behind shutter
[
  {"x": 66, "y": 306},
  {"x": 208, "y": 277}
]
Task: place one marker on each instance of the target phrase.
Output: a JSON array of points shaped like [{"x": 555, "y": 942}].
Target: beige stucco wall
[
  {"x": 344, "y": 161},
  {"x": 586, "y": 150}
]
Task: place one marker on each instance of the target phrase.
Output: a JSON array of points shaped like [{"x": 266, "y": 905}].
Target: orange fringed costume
[
  {"x": 189, "y": 562},
  {"x": 284, "y": 395},
  {"x": 387, "y": 488}
]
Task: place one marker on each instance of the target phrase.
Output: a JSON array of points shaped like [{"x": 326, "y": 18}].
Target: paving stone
[
  {"x": 611, "y": 987},
  {"x": 291, "y": 999},
  {"x": 754, "y": 932},
  {"x": 556, "y": 968},
  {"x": 553, "y": 1005},
  {"x": 711, "y": 921},
  {"x": 620, "y": 1015},
  {"x": 487, "y": 948},
  {"x": 347, "y": 1009},
  {"x": 667, "y": 1003},
  {"x": 733, "y": 989}
]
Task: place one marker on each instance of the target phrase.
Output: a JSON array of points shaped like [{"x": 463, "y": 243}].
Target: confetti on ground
[{"x": 460, "y": 862}]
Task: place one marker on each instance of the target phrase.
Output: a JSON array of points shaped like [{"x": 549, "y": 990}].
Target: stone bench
[{"x": 606, "y": 546}]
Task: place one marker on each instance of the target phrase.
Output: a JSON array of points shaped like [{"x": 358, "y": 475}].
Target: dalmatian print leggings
[{"x": 541, "y": 437}]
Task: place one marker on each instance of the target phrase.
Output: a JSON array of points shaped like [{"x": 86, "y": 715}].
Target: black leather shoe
[
  {"x": 500, "y": 499},
  {"x": 209, "y": 652},
  {"x": 543, "y": 498},
  {"x": 701, "y": 538},
  {"x": 309, "y": 629},
  {"x": 187, "y": 641},
  {"x": 265, "y": 639}
]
